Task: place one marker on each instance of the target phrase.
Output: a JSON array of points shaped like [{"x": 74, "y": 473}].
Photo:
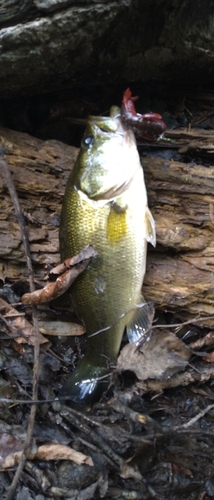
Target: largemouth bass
[{"x": 105, "y": 204}]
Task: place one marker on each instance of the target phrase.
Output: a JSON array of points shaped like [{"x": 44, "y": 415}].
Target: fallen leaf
[
  {"x": 8, "y": 443},
  {"x": 61, "y": 328},
  {"x": 86, "y": 253},
  {"x": 207, "y": 340},
  {"x": 132, "y": 471},
  {"x": 17, "y": 347},
  {"x": 70, "y": 269},
  {"x": 159, "y": 358},
  {"x": 11, "y": 460},
  {"x": 86, "y": 494},
  {"x": 209, "y": 358},
  {"x": 61, "y": 452},
  {"x": 49, "y": 452},
  {"x": 19, "y": 325}
]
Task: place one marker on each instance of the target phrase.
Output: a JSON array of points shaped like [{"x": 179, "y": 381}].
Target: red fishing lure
[{"x": 149, "y": 126}]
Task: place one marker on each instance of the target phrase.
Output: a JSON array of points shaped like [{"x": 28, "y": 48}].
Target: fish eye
[{"x": 88, "y": 141}]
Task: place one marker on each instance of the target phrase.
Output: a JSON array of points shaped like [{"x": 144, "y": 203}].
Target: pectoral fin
[
  {"x": 141, "y": 322},
  {"x": 150, "y": 228}
]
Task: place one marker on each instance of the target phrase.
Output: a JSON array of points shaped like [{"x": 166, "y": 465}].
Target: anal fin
[{"x": 141, "y": 323}]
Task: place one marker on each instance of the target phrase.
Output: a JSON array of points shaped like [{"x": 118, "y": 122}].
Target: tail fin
[{"x": 86, "y": 385}]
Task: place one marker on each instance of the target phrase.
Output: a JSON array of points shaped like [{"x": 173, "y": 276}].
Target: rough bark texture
[
  {"x": 52, "y": 44},
  {"x": 179, "y": 271},
  {"x": 40, "y": 170}
]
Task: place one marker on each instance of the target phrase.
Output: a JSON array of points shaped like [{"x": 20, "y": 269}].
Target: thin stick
[
  {"x": 193, "y": 420},
  {"x": 11, "y": 188},
  {"x": 13, "y": 194},
  {"x": 195, "y": 320},
  {"x": 137, "y": 306},
  {"x": 81, "y": 422}
]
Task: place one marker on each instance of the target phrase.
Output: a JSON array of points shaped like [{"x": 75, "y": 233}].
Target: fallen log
[
  {"x": 180, "y": 271},
  {"x": 52, "y": 45},
  {"x": 181, "y": 196}
]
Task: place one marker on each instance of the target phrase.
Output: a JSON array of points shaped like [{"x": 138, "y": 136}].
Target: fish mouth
[
  {"x": 104, "y": 124},
  {"x": 108, "y": 124}
]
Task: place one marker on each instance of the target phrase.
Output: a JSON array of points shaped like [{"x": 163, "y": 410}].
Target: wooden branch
[{"x": 181, "y": 196}]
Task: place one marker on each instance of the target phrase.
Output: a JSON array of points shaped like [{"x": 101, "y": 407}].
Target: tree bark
[
  {"x": 48, "y": 45},
  {"x": 179, "y": 274}
]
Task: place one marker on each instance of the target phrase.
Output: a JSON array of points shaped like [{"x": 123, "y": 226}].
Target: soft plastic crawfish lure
[{"x": 149, "y": 125}]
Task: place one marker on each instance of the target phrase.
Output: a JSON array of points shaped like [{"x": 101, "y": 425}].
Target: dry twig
[
  {"x": 11, "y": 188},
  {"x": 193, "y": 420},
  {"x": 79, "y": 420}
]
